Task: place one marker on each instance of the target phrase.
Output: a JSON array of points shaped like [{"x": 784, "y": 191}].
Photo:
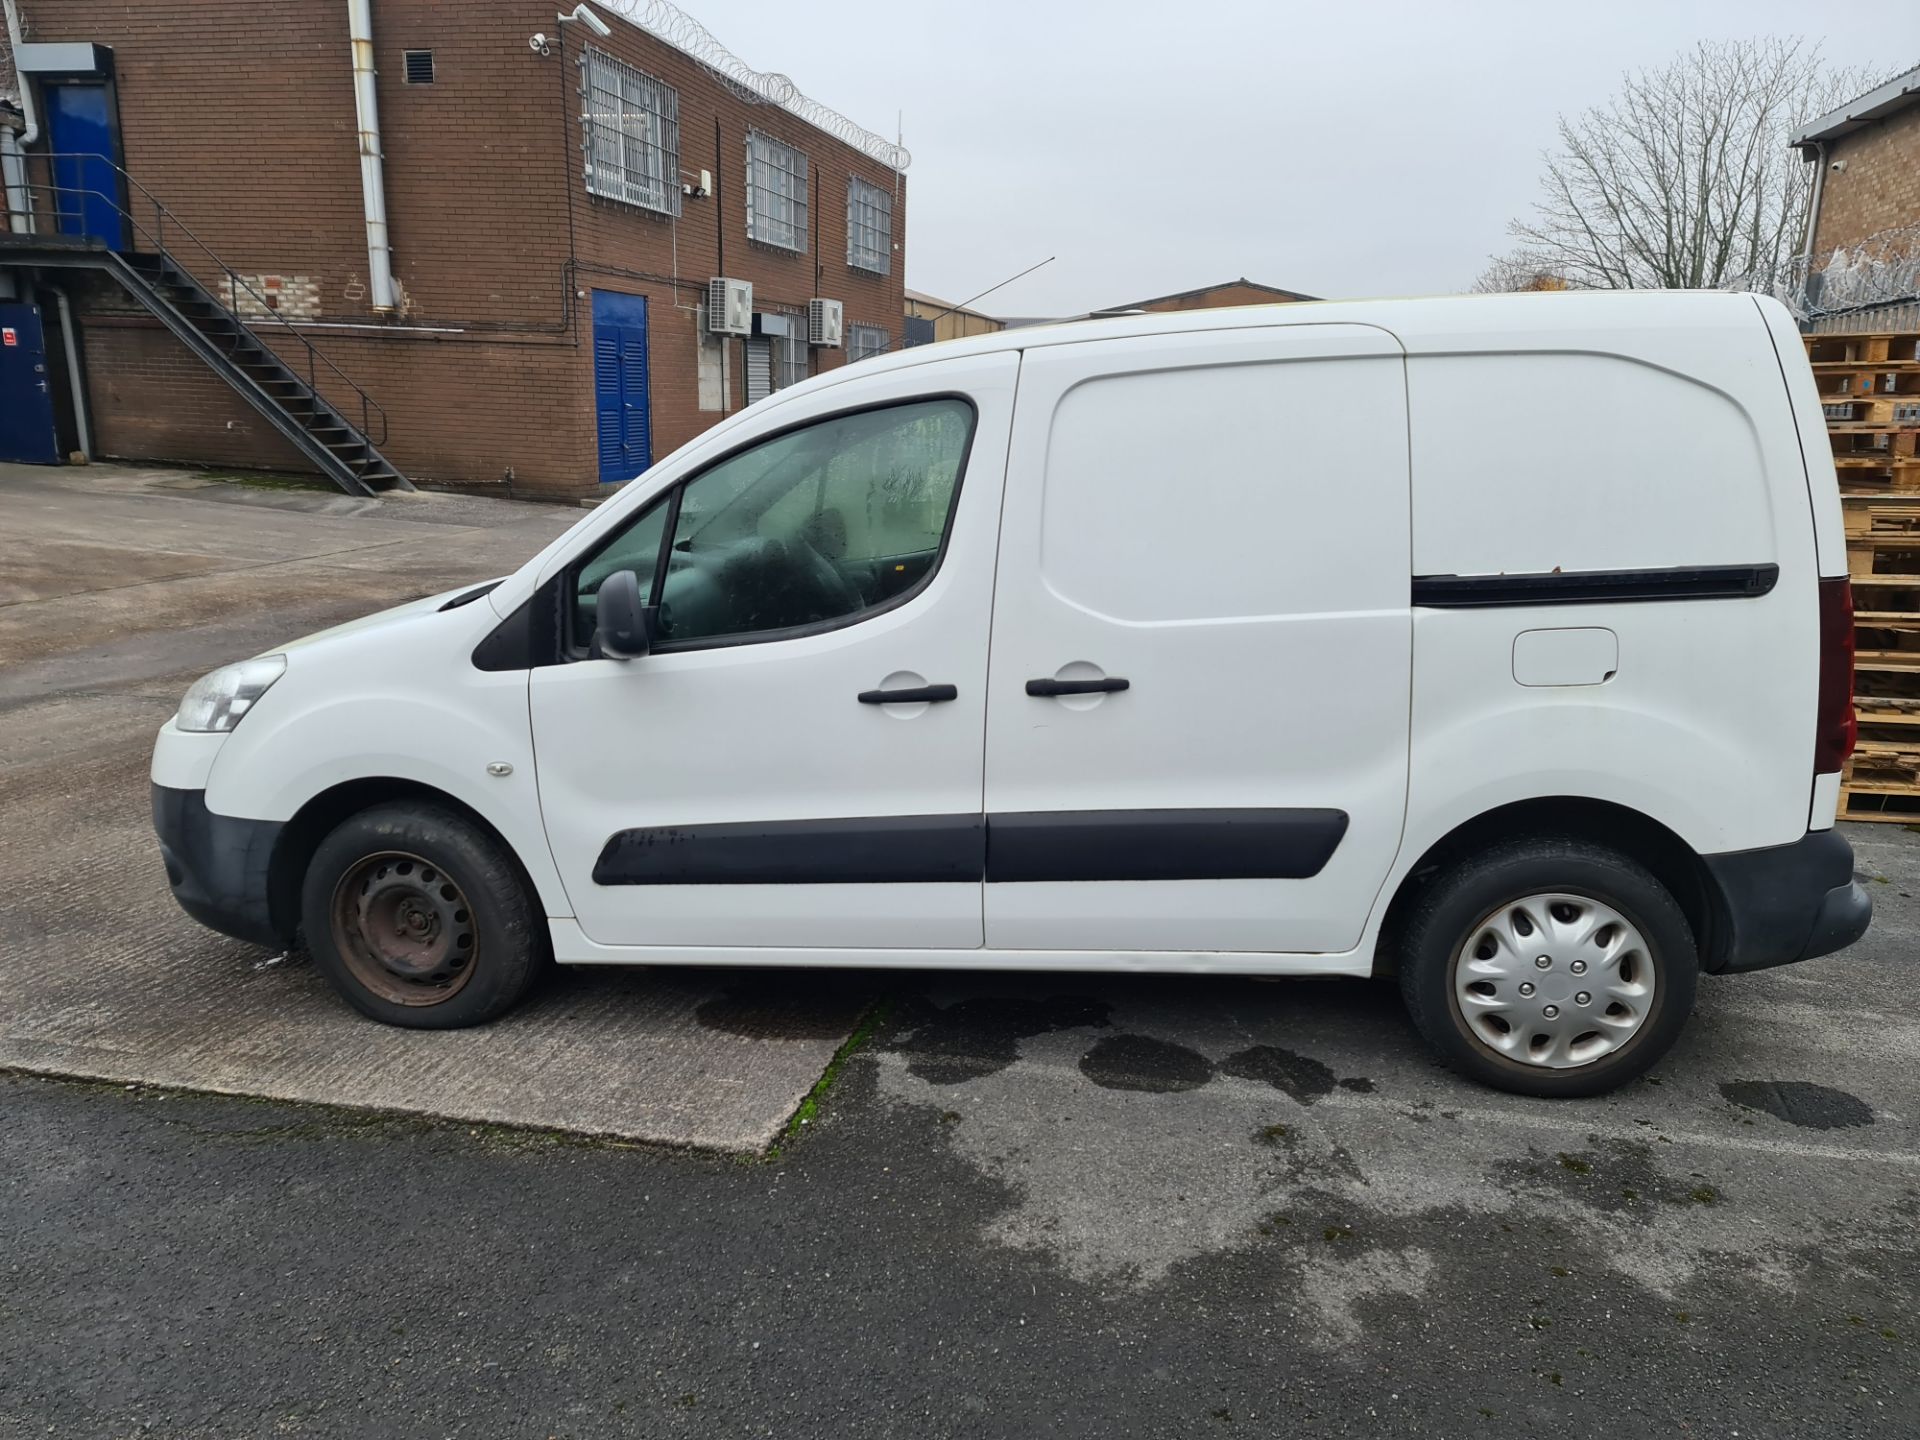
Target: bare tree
[
  {"x": 1684, "y": 179},
  {"x": 1508, "y": 273}
]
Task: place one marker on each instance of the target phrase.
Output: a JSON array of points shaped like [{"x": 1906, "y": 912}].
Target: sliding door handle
[
  {"x": 1105, "y": 685},
  {"x": 931, "y": 693}
]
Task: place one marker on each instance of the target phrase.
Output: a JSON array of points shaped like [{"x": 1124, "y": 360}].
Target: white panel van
[{"x": 1500, "y": 643}]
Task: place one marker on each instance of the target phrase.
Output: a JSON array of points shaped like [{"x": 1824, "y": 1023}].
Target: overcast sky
[{"x": 1373, "y": 148}]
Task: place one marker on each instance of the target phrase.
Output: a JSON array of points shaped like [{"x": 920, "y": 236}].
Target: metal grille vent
[{"x": 419, "y": 67}]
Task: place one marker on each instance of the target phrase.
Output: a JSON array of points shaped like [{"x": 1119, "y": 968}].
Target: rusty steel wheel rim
[{"x": 405, "y": 929}]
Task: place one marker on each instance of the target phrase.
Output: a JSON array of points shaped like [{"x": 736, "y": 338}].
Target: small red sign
[{"x": 8, "y": 337}]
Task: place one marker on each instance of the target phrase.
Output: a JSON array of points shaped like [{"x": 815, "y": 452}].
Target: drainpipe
[
  {"x": 1819, "y": 190},
  {"x": 12, "y": 166},
  {"x": 373, "y": 188},
  {"x": 27, "y": 107},
  {"x": 68, "y": 334},
  {"x": 13, "y": 175}
]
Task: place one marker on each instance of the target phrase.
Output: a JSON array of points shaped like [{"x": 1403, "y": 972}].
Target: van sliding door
[{"x": 1199, "y": 679}]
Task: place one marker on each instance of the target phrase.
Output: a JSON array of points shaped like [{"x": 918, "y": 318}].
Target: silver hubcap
[{"x": 1554, "y": 981}]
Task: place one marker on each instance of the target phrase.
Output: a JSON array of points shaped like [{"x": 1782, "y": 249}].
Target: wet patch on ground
[
  {"x": 972, "y": 1039},
  {"x": 1800, "y": 1102},
  {"x": 1139, "y": 1062},
  {"x": 1300, "y": 1076}
]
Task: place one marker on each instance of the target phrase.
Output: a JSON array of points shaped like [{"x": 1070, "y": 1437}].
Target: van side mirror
[{"x": 623, "y": 628}]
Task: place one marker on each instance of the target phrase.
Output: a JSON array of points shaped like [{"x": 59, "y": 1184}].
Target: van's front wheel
[
  {"x": 1549, "y": 967},
  {"x": 420, "y": 918}
]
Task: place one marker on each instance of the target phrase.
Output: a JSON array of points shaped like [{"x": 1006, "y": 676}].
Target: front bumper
[
  {"x": 219, "y": 867},
  {"x": 1787, "y": 903}
]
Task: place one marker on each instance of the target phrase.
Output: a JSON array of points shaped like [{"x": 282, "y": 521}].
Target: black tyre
[
  {"x": 420, "y": 918},
  {"x": 1548, "y": 966}
]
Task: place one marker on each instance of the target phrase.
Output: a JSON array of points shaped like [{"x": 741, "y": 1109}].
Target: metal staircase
[{"x": 293, "y": 398}]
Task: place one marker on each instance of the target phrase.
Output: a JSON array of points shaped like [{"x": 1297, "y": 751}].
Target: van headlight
[{"x": 219, "y": 701}]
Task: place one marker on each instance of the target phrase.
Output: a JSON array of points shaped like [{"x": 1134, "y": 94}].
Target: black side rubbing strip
[
  {"x": 887, "y": 849},
  {"x": 961, "y": 849},
  {"x": 1586, "y": 587},
  {"x": 1162, "y": 844}
]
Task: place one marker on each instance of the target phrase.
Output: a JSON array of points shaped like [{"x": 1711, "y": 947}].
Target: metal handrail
[{"x": 236, "y": 282}]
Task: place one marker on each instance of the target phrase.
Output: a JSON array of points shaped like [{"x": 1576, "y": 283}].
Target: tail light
[{"x": 1833, "y": 739}]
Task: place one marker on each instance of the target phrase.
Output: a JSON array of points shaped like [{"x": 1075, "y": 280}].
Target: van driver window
[{"x": 819, "y": 524}]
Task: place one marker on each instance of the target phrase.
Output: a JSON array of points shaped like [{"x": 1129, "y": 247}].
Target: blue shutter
[
  {"x": 622, "y": 425},
  {"x": 607, "y": 400},
  {"x": 637, "y": 434}
]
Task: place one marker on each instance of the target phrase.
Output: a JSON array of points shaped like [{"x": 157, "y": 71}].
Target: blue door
[
  {"x": 620, "y": 385},
  {"x": 80, "y": 136},
  {"x": 26, "y": 393}
]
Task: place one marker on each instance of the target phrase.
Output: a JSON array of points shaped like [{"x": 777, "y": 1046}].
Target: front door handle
[
  {"x": 1105, "y": 685},
  {"x": 932, "y": 693}
]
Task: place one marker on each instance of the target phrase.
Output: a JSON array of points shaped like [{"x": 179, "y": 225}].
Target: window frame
[
  {"x": 573, "y": 646},
  {"x": 882, "y": 207},
  {"x": 886, "y": 341},
  {"x": 635, "y": 89},
  {"x": 802, "y": 200}
]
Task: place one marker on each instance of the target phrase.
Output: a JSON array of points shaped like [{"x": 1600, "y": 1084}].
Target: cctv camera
[
  {"x": 538, "y": 44},
  {"x": 1837, "y": 166},
  {"x": 587, "y": 18}
]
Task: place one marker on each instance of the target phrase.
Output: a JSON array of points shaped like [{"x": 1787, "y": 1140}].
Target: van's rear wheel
[
  {"x": 420, "y": 918},
  {"x": 1549, "y": 967}
]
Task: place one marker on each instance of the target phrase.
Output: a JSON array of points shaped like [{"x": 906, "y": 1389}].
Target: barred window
[
  {"x": 632, "y": 131},
  {"x": 865, "y": 340},
  {"x": 869, "y": 227},
  {"x": 776, "y": 193},
  {"x": 789, "y": 360}
]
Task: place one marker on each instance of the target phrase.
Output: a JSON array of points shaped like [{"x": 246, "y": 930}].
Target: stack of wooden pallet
[{"x": 1870, "y": 390}]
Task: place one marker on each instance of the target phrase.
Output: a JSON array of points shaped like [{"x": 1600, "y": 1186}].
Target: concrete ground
[
  {"x": 119, "y": 587},
  {"x": 1028, "y": 1204}
]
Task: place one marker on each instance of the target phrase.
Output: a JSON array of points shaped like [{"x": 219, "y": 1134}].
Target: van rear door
[{"x": 1198, "y": 685}]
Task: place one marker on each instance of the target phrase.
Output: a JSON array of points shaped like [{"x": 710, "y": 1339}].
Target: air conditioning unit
[
  {"x": 826, "y": 322},
  {"x": 729, "y": 306}
]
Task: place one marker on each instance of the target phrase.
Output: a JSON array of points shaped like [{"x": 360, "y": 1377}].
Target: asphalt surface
[{"x": 1026, "y": 1205}]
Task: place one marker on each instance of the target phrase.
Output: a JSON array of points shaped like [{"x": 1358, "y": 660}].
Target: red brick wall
[
  {"x": 149, "y": 403},
  {"x": 239, "y": 115},
  {"x": 1879, "y": 189}
]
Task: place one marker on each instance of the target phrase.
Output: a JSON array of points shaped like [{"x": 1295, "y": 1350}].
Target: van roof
[{"x": 1422, "y": 325}]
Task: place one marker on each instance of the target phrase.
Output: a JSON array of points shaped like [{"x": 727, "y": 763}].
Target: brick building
[
  {"x": 557, "y": 202},
  {"x": 930, "y": 318},
  {"x": 1207, "y": 297},
  {"x": 1213, "y": 297},
  {"x": 1865, "y": 207}
]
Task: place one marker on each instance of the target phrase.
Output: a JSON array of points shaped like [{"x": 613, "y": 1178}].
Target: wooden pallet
[
  {"x": 1864, "y": 351},
  {"x": 1870, "y": 412},
  {"x": 1874, "y": 806},
  {"x": 1868, "y": 513},
  {"x": 1870, "y": 394}
]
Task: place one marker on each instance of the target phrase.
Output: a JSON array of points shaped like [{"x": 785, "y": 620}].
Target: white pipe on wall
[
  {"x": 12, "y": 166},
  {"x": 69, "y": 336},
  {"x": 27, "y": 108},
  {"x": 13, "y": 174},
  {"x": 1813, "y": 202},
  {"x": 373, "y": 185}
]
